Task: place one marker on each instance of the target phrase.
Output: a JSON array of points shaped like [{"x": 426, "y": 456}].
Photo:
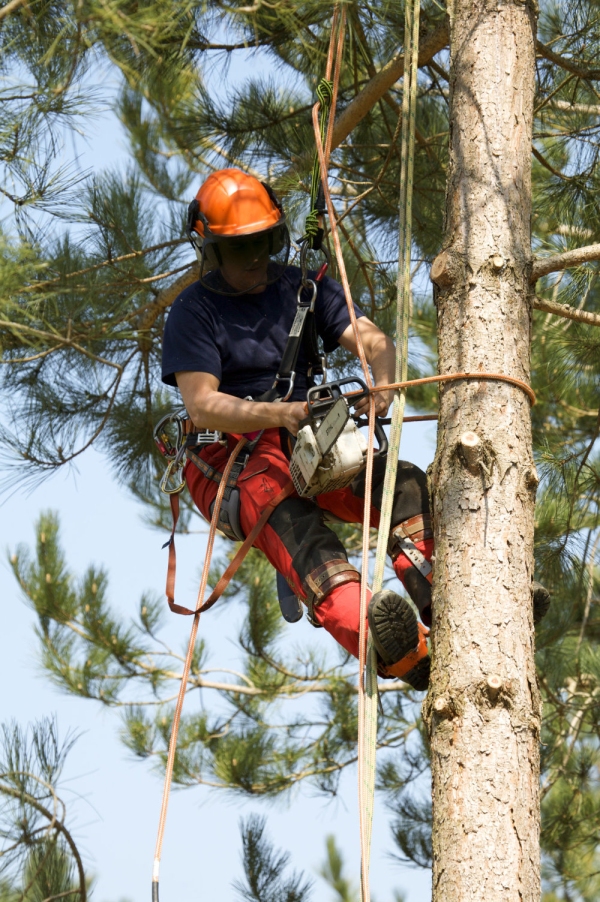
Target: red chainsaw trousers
[{"x": 296, "y": 539}]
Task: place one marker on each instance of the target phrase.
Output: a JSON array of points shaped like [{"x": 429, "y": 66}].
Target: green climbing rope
[
  {"x": 409, "y": 103},
  {"x": 312, "y": 224}
]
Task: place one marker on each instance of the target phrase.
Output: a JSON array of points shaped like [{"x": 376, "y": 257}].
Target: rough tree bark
[{"x": 483, "y": 711}]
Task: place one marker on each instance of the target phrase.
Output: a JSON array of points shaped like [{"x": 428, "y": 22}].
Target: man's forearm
[
  {"x": 382, "y": 360},
  {"x": 226, "y": 413}
]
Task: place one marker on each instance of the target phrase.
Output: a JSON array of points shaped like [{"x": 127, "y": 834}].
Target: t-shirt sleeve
[
  {"x": 189, "y": 341},
  {"x": 331, "y": 313}
]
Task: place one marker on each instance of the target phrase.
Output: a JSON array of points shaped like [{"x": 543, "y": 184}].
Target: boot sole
[{"x": 395, "y": 633}]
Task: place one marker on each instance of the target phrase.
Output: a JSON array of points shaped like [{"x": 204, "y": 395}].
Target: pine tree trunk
[{"x": 483, "y": 710}]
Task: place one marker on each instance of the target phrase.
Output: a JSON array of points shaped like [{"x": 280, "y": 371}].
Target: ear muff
[{"x": 192, "y": 216}]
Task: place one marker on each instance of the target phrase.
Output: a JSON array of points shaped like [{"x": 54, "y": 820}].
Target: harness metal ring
[{"x": 312, "y": 286}]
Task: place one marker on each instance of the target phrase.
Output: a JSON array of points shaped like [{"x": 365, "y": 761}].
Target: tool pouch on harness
[{"x": 229, "y": 515}]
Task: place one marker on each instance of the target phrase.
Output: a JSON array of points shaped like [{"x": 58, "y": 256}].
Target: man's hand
[
  {"x": 293, "y": 414},
  {"x": 383, "y": 402}
]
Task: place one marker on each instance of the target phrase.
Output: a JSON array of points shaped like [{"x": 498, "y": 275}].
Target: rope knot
[{"x": 325, "y": 92}]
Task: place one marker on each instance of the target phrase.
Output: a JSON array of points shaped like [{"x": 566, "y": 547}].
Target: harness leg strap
[
  {"x": 321, "y": 581},
  {"x": 410, "y": 545}
]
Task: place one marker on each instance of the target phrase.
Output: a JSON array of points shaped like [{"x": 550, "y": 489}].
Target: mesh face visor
[{"x": 260, "y": 257}]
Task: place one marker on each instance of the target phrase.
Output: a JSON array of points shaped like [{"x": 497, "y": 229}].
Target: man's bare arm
[
  {"x": 211, "y": 409},
  {"x": 381, "y": 357}
]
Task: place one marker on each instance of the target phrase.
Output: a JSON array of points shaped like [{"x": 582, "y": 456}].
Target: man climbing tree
[
  {"x": 224, "y": 341},
  {"x": 82, "y": 320}
]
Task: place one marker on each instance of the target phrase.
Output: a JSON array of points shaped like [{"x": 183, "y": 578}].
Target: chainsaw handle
[
  {"x": 333, "y": 390},
  {"x": 381, "y": 437}
]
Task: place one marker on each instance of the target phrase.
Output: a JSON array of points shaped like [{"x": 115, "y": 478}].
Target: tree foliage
[
  {"x": 39, "y": 858},
  {"x": 90, "y": 264}
]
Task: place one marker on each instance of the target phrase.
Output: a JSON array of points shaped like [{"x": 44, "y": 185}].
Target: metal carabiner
[
  {"x": 304, "y": 263},
  {"x": 163, "y": 440},
  {"x": 170, "y": 473},
  {"x": 290, "y": 380}
]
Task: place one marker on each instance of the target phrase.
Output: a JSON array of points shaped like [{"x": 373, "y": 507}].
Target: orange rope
[
  {"x": 187, "y": 666},
  {"x": 453, "y": 377},
  {"x": 323, "y": 154}
]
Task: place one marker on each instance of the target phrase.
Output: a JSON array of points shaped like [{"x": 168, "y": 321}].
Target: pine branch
[
  {"x": 168, "y": 295},
  {"x": 569, "y": 65},
  {"x": 36, "y": 286},
  {"x": 10, "y": 7},
  {"x": 542, "y": 266},
  {"x": 541, "y": 159},
  {"x": 580, "y": 316},
  {"x": 387, "y": 76},
  {"x": 56, "y": 824}
]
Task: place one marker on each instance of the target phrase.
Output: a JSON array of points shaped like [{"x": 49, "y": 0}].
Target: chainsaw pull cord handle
[{"x": 382, "y": 439}]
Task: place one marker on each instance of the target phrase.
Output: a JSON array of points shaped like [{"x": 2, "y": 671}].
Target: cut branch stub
[
  {"x": 442, "y": 706},
  {"x": 471, "y": 450},
  {"x": 441, "y": 273},
  {"x": 493, "y": 685}
]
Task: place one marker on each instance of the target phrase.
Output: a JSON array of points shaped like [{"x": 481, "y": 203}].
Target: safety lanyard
[{"x": 303, "y": 328}]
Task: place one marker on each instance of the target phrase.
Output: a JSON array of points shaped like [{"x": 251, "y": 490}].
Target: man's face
[{"x": 244, "y": 262}]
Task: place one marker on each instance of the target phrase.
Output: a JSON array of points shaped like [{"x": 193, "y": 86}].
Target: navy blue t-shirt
[{"x": 241, "y": 340}]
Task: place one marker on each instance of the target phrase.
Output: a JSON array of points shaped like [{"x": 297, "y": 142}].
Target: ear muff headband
[{"x": 273, "y": 196}]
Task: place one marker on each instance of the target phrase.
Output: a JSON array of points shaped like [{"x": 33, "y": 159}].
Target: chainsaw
[{"x": 330, "y": 449}]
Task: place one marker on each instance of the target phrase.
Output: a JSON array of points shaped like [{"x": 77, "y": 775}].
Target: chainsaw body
[{"x": 330, "y": 449}]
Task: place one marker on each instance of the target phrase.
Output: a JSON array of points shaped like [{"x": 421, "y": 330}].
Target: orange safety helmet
[{"x": 232, "y": 206}]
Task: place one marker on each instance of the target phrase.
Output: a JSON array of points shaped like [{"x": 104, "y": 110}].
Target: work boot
[
  {"x": 541, "y": 601},
  {"x": 400, "y": 640}
]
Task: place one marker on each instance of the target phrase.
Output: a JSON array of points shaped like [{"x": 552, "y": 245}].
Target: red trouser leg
[
  {"x": 266, "y": 473},
  {"x": 405, "y": 572},
  {"x": 339, "y": 613},
  {"x": 410, "y": 501}
]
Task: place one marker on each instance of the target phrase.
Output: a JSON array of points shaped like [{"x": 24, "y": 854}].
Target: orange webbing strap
[
  {"x": 236, "y": 561},
  {"x": 171, "y": 568},
  {"x": 178, "y": 609}
]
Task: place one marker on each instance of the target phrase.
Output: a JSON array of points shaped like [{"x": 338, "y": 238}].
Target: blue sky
[{"x": 114, "y": 800}]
